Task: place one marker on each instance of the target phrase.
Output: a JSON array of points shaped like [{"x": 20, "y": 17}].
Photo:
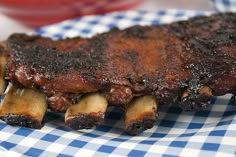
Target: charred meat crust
[
  {"x": 21, "y": 120},
  {"x": 85, "y": 121},
  {"x": 163, "y": 61},
  {"x": 138, "y": 126}
]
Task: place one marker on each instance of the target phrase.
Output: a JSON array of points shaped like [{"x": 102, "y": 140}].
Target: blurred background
[{"x": 28, "y": 15}]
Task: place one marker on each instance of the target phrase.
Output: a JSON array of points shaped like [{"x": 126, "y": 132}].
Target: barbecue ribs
[{"x": 184, "y": 63}]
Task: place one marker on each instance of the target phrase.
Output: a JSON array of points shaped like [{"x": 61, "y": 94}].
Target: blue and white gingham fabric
[
  {"x": 177, "y": 133},
  {"x": 224, "y": 5}
]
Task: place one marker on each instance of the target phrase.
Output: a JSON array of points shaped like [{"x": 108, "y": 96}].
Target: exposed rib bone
[
  {"x": 205, "y": 91},
  {"x": 88, "y": 113},
  {"x": 140, "y": 115},
  {"x": 184, "y": 95},
  {"x": 3, "y": 62},
  {"x": 23, "y": 107},
  {"x": 196, "y": 100}
]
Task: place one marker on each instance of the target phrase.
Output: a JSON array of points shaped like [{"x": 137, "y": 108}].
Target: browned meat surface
[{"x": 184, "y": 62}]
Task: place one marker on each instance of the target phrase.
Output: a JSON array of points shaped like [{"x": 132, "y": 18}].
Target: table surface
[{"x": 9, "y": 26}]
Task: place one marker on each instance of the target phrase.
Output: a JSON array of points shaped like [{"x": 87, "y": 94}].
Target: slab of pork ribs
[{"x": 184, "y": 63}]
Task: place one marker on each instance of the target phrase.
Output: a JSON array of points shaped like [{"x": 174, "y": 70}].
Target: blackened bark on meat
[
  {"x": 212, "y": 51},
  {"x": 21, "y": 120},
  {"x": 162, "y": 61}
]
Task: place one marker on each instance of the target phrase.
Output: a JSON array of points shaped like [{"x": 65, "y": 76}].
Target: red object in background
[{"x": 37, "y": 13}]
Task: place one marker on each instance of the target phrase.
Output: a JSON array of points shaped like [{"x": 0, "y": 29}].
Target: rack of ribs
[{"x": 137, "y": 69}]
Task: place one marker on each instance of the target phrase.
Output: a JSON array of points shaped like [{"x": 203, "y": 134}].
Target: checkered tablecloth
[
  {"x": 177, "y": 133},
  {"x": 224, "y": 5}
]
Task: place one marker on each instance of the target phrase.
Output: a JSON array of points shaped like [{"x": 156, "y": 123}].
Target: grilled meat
[
  {"x": 185, "y": 63},
  {"x": 162, "y": 61}
]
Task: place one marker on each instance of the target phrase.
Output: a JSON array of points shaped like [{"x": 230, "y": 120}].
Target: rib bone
[
  {"x": 23, "y": 107},
  {"x": 140, "y": 114},
  {"x": 205, "y": 91},
  {"x": 3, "y": 62},
  {"x": 184, "y": 95},
  {"x": 88, "y": 113}
]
